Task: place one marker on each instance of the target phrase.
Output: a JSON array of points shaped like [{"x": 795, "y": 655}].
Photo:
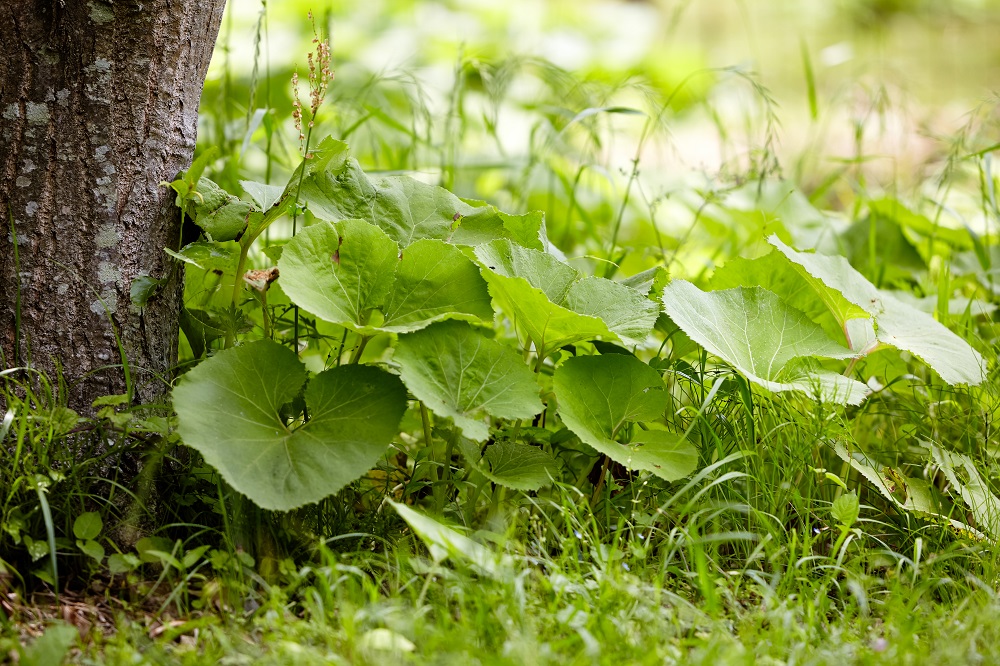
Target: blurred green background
[{"x": 555, "y": 105}]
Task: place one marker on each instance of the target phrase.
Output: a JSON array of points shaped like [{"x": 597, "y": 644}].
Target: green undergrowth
[{"x": 445, "y": 398}]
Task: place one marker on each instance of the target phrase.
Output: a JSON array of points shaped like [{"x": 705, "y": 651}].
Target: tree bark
[{"x": 98, "y": 105}]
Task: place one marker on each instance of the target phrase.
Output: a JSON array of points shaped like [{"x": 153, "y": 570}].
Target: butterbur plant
[{"x": 504, "y": 349}]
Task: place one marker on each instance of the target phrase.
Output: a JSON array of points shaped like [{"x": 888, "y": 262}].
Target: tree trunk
[{"x": 98, "y": 105}]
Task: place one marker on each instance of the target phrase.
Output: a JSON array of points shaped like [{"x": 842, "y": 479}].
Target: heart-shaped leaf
[
  {"x": 599, "y": 395},
  {"x": 461, "y": 374},
  {"x": 754, "y": 331},
  {"x": 518, "y": 465},
  {"x": 435, "y": 281},
  {"x": 229, "y": 409},
  {"x": 343, "y": 271},
  {"x": 340, "y": 271}
]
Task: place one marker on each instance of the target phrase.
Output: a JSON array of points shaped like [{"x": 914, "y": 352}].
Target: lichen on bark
[{"x": 99, "y": 104}]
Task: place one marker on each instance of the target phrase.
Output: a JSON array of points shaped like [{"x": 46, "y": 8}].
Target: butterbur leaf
[
  {"x": 552, "y": 305},
  {"x": 209, "y": 255},
  {"x": 754, "y": 331},
  {"x": 535, "y": 317},
  {"x": 603, "y": 393},
  {"x": 336, "y": 188},
  {"x": 774, "y": 272},
  {"x": 340, "y": 271},
  {"x": 518, "y": 465},
  {"x": 626, "y": 312},
  {"x": 222, "y": 216},
  {"x": 662, "y": 453},
  {"x": 435, "y": 281},
  {"x": 897, "y": 324},
  {"x": 229, "y": 409},
  {"x": 487, "y": 223},
  {"x": 264, "y": 195},
  {"x": 599, "y": 395},
  {"x": 462, "y": 375},
  {"x": 538, "y": 269},
  {"x": 343, "y": 271}
]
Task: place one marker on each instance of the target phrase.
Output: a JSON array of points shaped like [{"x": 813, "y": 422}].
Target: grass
[{"x": 749, "y": 560}]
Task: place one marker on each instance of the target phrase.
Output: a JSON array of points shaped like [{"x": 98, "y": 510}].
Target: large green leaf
[
  {"x": 336, "y": 188},
  {"x": 229, "y": 409},
  {"x": 625, "y": 311},
  {"x": 774, "y": 272},
  {"x": 599, "y": 395},
  {"x": 343, "y": 271},
  {"x": 540, "y": 270},
  {"x": 535, "y": 317},
  {"x": 340, "y": 271},
  {"x": 488, "y": 224},
  {"x": 897, "y": 324},
  {"x": 665, "y": 454},
  {"x": 553, "y": 305},
  {"x": 435, "y": 281},
  {"x": 461, "y": 374},
  {"x": 209, "y": 255},
  {"x": 754, "y": 331},
  {"x": 264, "y": 195},
  {"x": 220, "y": 214}
]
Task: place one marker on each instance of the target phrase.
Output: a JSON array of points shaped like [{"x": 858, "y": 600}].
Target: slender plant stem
[
  {"x": 356, "y": 356},
  {"x": 295, "y": 218}
]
